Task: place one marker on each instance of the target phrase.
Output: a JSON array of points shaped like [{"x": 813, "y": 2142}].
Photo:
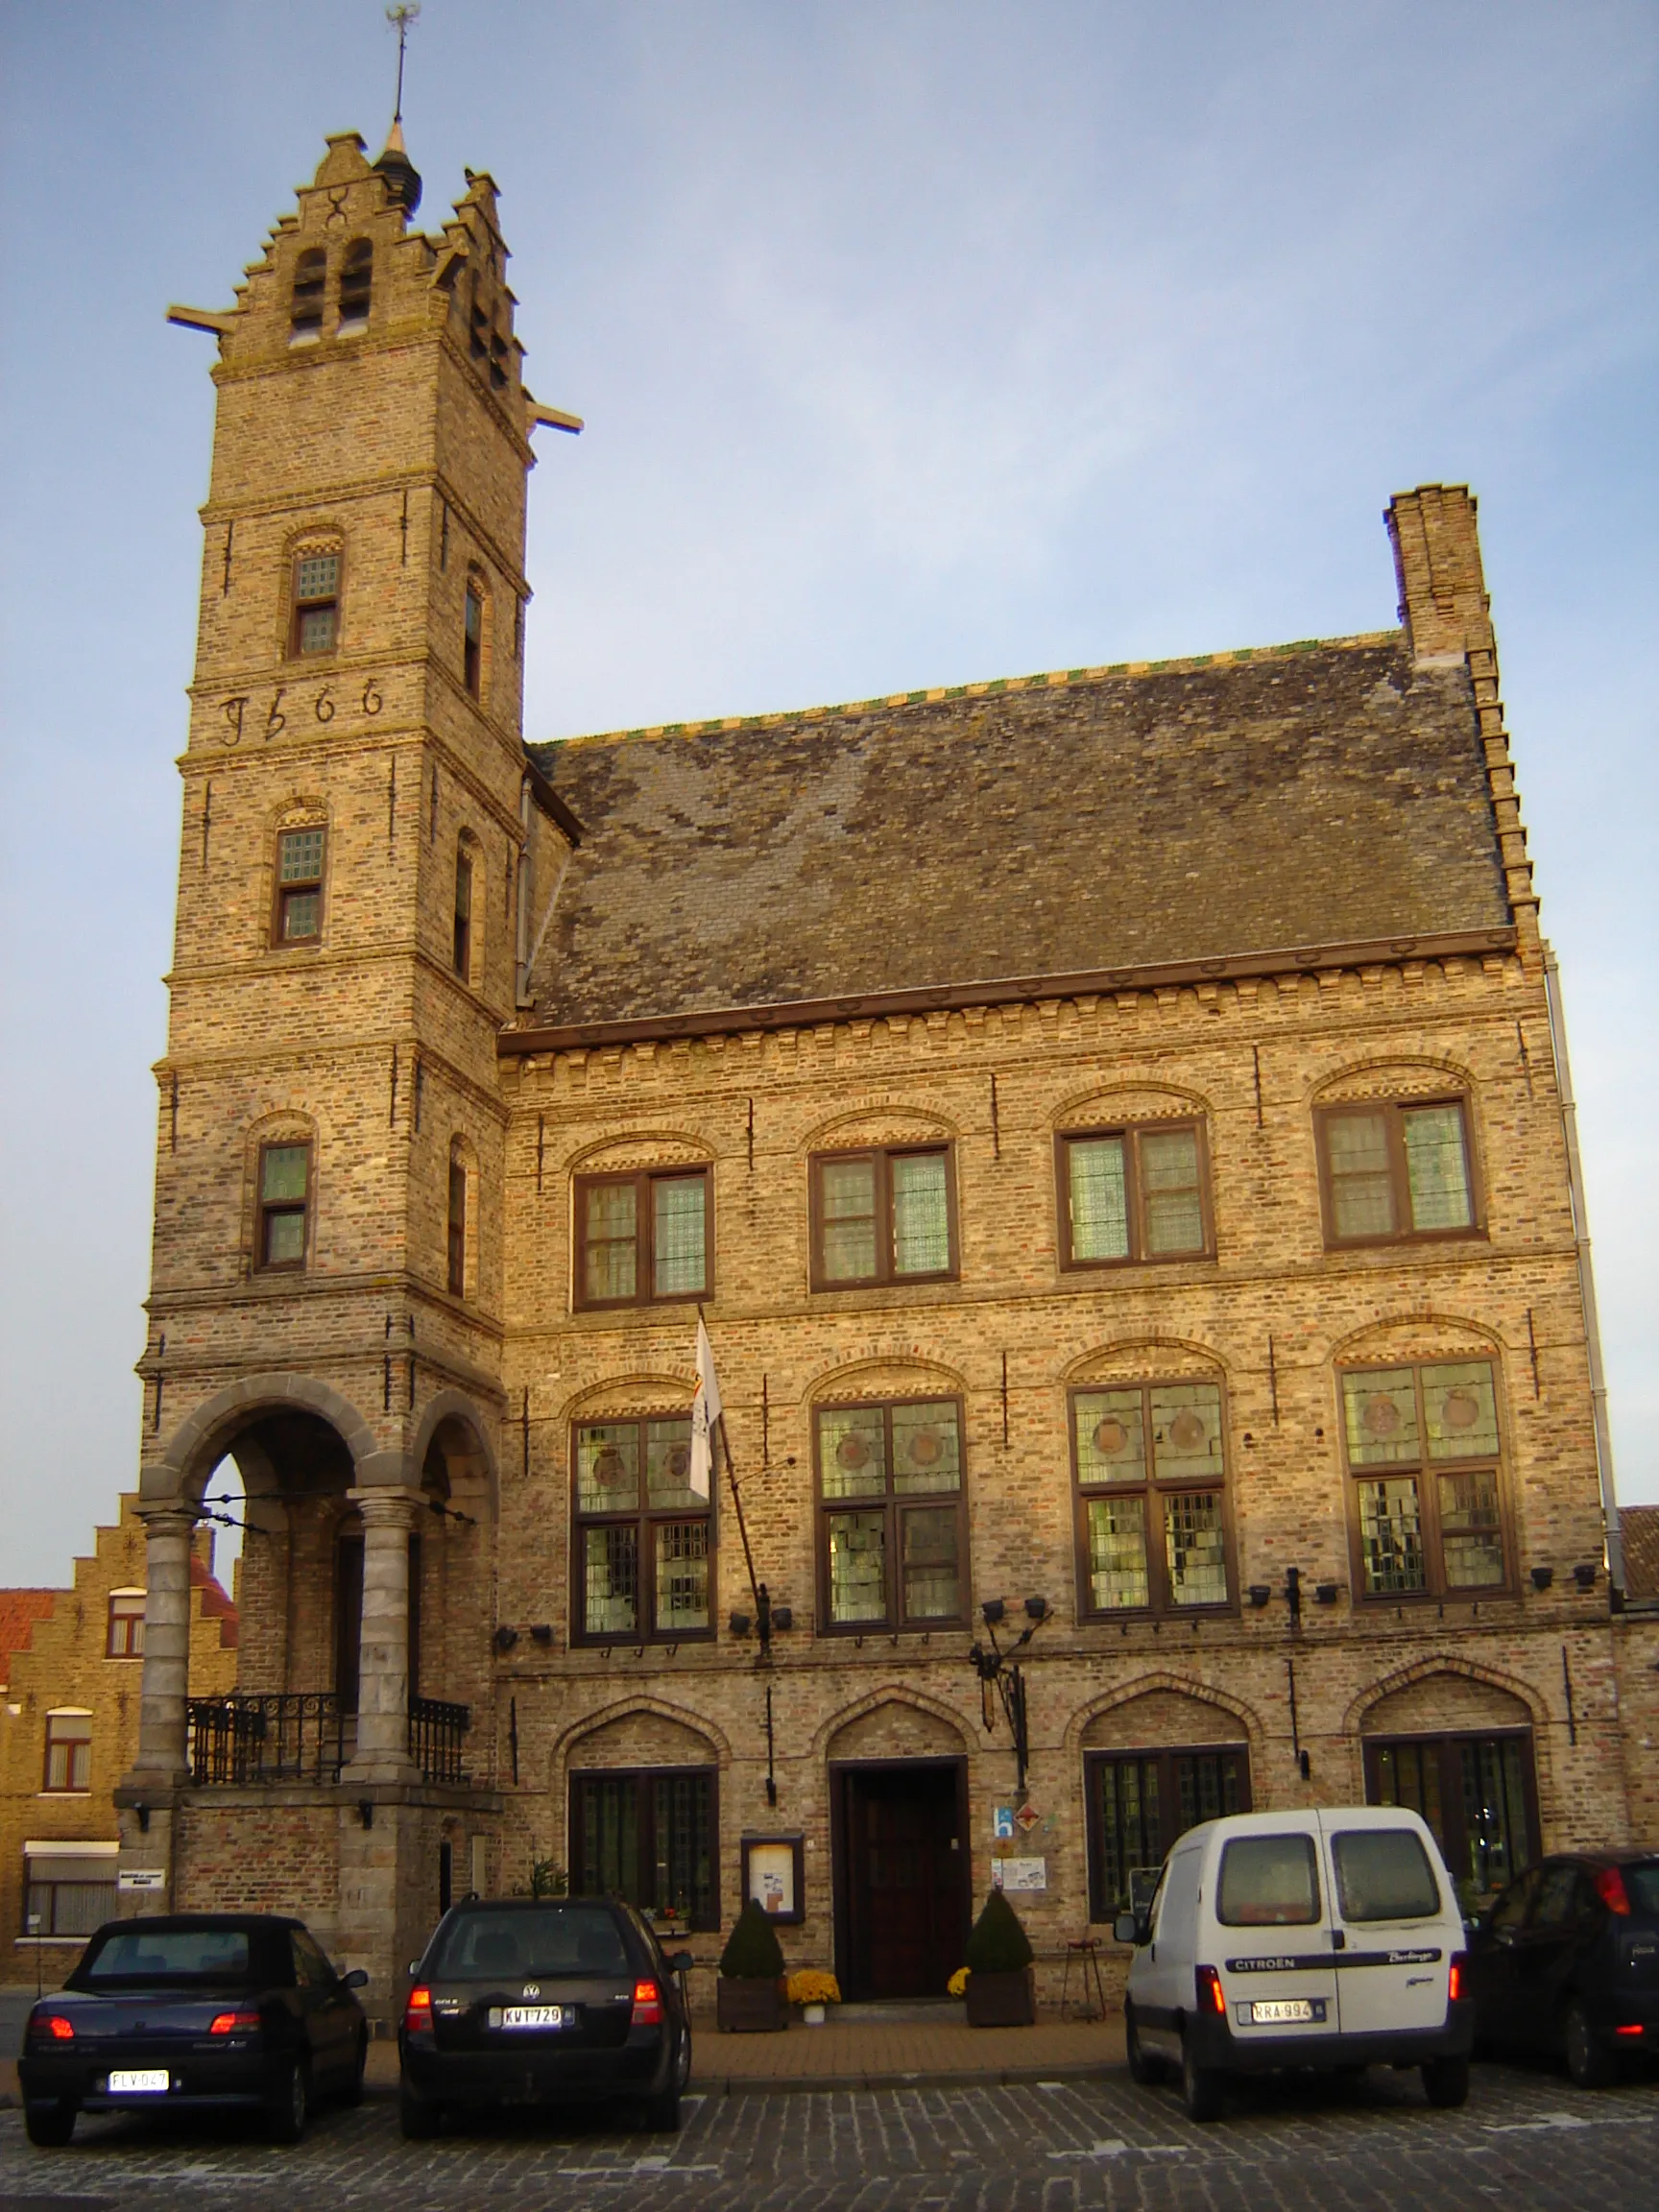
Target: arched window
[
  {"x": 463, "y": 944},
  {"x": 356, "y": 287},
  {"x": 314, "y": 626},
  {"x": 473, "y": 638},
  {"x": 457, "y": 1271},
  {"x": 310, "y": 280}
]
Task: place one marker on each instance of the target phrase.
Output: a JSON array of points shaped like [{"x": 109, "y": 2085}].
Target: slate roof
[
  {"x": 1251, "y": 803},
  {"x": 1639, "y": 1527}
]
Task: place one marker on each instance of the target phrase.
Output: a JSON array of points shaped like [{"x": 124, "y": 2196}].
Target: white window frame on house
[{"x": 56, "y": 1853}]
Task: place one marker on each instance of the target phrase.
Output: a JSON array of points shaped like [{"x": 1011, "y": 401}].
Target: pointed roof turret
[{"x": 402, "y": 178}]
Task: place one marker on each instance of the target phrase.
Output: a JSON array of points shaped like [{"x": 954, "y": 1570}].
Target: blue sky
[{"x": 916, "y": 342}]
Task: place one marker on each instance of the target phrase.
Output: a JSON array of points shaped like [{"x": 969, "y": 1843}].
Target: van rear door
[
  {"x": 1272, "y": 1931},
  {"x": 1396, "y": 1920}
]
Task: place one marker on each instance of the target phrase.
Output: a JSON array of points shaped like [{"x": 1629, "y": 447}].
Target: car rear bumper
[
  {"x": 536, "y": 2077},
  {"x": 196, "y": 2081},
  {"x": 1216, "y": 2045}
]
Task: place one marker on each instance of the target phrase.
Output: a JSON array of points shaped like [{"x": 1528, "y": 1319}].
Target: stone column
[
  {"x": 166, "y": 1680},
  {"x": 383, "y": 1653}
]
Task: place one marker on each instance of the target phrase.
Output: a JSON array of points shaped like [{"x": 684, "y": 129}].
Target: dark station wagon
[
  {"x": 539, "y": 2002},
  {"x": 194, "y": 2011}
]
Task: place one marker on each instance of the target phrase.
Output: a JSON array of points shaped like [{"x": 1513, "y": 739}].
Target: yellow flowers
[
  {"x": 957, "y": 1985},
  {"x": 811, "y": 1986}
]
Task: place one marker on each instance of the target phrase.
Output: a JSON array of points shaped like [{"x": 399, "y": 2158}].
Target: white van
[{"x": 1325, "y": 1939}]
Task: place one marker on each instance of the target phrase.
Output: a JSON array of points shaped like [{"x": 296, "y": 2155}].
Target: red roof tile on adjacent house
[
  {"x": 19, "y": 1610},
  {"x": 216, "y": 1605}
]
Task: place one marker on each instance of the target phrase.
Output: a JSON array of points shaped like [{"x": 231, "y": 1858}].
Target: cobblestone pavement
[{"x": 1526, "y": 2139}]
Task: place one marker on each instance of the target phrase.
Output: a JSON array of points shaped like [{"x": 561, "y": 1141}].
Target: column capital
[
  {"x": 167, "y": 1517},
  {"x": 387, "y": 1505}
]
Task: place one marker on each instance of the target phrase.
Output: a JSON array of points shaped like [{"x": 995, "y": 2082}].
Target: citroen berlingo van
[{"x": 1316, "y": 1938}]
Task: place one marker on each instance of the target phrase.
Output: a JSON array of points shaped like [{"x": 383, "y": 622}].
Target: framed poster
[{"x": 772, "y": 1875}]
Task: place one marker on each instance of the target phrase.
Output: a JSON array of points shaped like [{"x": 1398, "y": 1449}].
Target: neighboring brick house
[
  {"x": 72, "y": 1662},
  {"x": 1116, "y": 1125}
]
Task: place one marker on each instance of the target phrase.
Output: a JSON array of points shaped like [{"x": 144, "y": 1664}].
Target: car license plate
[
  {"x": 529, "y": 2016},
  {"x": 1282, "y": 2012},
  {"x": 141, "y": 2081}
]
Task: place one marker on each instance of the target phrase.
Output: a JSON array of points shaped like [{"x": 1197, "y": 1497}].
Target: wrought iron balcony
[
  {"x": 304, "y": 1736},
  {"x": 435, "y": 1733}
]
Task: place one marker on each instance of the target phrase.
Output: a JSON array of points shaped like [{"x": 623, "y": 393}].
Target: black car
[
  {"x": 1566, "y": 1964},
  {"x": 194, "y": 2011},
  {"x": 532, "y": 2001}
]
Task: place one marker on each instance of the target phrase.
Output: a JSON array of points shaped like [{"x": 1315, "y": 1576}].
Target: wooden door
[{"x": 904, "y": 1856}]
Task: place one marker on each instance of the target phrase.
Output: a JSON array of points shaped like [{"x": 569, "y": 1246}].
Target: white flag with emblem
[{"x": 705, "y": 1412}]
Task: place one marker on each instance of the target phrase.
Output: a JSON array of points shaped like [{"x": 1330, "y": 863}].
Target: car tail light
[
  {"x": 52, "y": 2026},
  {"x": 1610, "y": 1889},
  {"x": 1634, "y": 2030},
  {"x": 417, "y": 2010},
  {"x": 233, "y": 2023},
  {"x": 1454, "y": 1981},
  {"x": 1210, "y": 1995},
  {"x": 647, "y": 2006}
]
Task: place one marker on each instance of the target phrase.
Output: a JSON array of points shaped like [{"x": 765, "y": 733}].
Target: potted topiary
[
  {"x": 749, "y": 1995},
  {"x": 1000, "y": 1988}
]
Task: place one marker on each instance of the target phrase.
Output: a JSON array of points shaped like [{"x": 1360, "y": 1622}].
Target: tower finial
[
  {"x": 402, "y": 179},
  {"x": 400, "y": 17}
]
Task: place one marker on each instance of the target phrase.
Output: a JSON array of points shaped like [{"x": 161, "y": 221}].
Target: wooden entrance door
[{"x": 903, "y": 1861}]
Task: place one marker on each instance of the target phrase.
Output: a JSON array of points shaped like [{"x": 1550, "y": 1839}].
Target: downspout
[{"x": 1586, "y": 1278}]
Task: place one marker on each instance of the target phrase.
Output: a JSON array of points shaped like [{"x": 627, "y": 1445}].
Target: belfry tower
[{"x": 359, "y": 835}]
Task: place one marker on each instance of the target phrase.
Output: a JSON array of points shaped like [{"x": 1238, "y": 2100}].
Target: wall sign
[
  {"x": 130, "y": 1878},
  {"x": 1019, "y": 1874},
  {"x": 772, "y": 1875}
]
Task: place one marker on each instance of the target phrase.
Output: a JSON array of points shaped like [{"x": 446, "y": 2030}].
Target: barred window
[
  {"x": 642, "y": 1237},
  {"x": 1135, "y": 1194},
  {"x": 882, "y": 1216},
  {"x": 893, "y": 1539},
  {"x": 299, "y": 918},
  {"x": 1422, "y": 1448},
  {"x": 650, "y": 1835},
  {"x": 316, "y": 604},
  {"x": 1391, "y": 1171},
  {"x": 644, "y": 1549},
  {"x": 1139, "y": 1803},
  {"x": 1153, "y": 1533}
]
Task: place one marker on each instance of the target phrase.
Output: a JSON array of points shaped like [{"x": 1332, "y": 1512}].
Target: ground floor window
[
  {"x": 68, "y": 1892},
  {"x": 1138, "y": 1802},
  {"x": 1478, "y": 1795},
  {"x": 649, "y": 1835}
]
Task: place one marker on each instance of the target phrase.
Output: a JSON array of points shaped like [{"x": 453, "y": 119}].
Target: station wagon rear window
[
  {"x": 170, "y": 1954},
  {"x": 1268, "y": 1881},
  {"x": 1642, "y": 1886},
  {"x": 1385, "y": 1874},
  {"x": 563, "y": 1940}
]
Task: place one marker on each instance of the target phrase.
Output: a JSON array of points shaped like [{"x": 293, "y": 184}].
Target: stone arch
[
  {"x": 885, "y": 1370},
  {"x": 934, "y": 1709},
  {"x": 1140, "y": 1357},
  {"x": 879, "y": 1119},
  {"x": 1398, "y": 1336},
  {"x": 639, "y": 1149},
  {"x": 1534, "y": 1710},
  {"x": 1165, "y": 1683},
  {"x": 203, "y": 1436},
  {"x": 567, "y": 1745},
  {"x": 1390, "y": 1075},
  {"x": 1143, "y": 1098},
  {"x": 453, "y": 1426},
  {"x": 622, "y": 1397}
]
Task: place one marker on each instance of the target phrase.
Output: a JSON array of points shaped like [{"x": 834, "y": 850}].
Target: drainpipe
[{"x": 1586, "y": 1277}]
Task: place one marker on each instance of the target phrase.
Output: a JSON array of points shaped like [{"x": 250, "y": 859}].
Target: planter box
[
  {"x": 1002, "y": 1999},
  {"x": 750, "y": 2008}
]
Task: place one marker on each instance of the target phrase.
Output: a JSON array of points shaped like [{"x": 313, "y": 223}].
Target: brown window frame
[
  {"x": 1132, "y": 1132},
  {"x": 461, "y": 949},
  {"x": 472, "y": 647},
  {"x": 267, "y": 1208},
  {"x": 1394, "y": 1111},
  {"x": 645, "y": 1519},
  {"x": 1425, "y": 1472},
  {"x": 127, "y": 1644},
  {"x": 644, "y": 1292},
  {"x": 299, "y": 608},
  {"x": 1447, "y": 1747},
  {"x": 1151, "y": 1490},
  {"x": 1103, "y": 1905},
  {"x": 456, "y": 1228},
  {"x": 704, "y": 1916},
  {"x": 883, "y": 1156},
  {"x": 893, "y": 1507},
  {"x": 78, "y": 1748},
  {"x": 297, "y": 887}
]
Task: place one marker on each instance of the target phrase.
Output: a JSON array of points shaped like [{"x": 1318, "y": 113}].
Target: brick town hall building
[{"x": 1112, "y": 1123}]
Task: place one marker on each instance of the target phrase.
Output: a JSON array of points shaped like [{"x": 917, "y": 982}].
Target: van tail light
[
  {"x": 417, "y": 2010},
  {"x": 1610, "y": 1889},
  {"x": 1210, "y": 1995},
  {"x": 1457, "y": 1978},
  {"x": 51, "y": 2027},
  {"x": 647, "y": 2009},
  {"x": 233, "y": 2023},
  {"x": 1634, "y": 2030}
]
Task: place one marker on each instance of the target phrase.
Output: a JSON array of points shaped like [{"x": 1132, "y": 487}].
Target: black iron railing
[
  {"x": 297, "y": 1736},
  {"x": 434, "y": 1732}
]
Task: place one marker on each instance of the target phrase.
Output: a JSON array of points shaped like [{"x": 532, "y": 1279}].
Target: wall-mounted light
[
  {"x": 543, "y": 1632},
  {"x": 142, "y": 1814},
  {"x": 992, "y": 1611},
  {"x": 1304, "y": 1766},
  {"x": 1584, "y": 1574},
  {"x": 1261, "y": 1595},
  {"x": 782, "y": 1616},
  {"x": 740, "y": 1624},
  {"x": 1541, "y": 1577},
  {"x": 1325, "y": 1593},
  {"x": 1036, "y": 1608},
  {"x": 366, "y": 1811},
  {"x": 505, "y": 1637}
]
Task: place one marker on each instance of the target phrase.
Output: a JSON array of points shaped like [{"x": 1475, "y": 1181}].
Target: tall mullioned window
[
  {"x": 316, "y": 603},
  {"x": 1423, "y": 1454},
  {"x": 650, "y": 1835},
  {"x": 463, "y": 944},
  {"x": 893, "y": 1534},
  {"x": 1392, "y": 1172},
  {"x": 882, "y": 1216},
  {"x": 457, "y": 1238},
  {"x": 472, "y": 639},
  {"x": 1151, "y": 1498},
  {"x": 284, "y": 1199},
  {"x": 642, "y": 1237},
  {"x": 300, "y": 886},
  {"x": 643, "y": 1548},
  {"x": 1135, "y": 1194},
  {"x": 1138, "y": 1803}
]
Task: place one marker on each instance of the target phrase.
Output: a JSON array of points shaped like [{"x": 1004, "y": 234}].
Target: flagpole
[{"x": 763, "y": 1605}]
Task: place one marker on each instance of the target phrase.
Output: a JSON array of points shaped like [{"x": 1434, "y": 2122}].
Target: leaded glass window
[
  {"x": 284, "y": 1193},
  {"x": 650, "y": 1835},
  {"x": 300, "y": 885},
  {"x": 891, "y": 1504},
  {"x": 1396, "y": 1169},
  {"x": 1423, "y": 1440},
  {"x": 642, "y": 1237},
  {"x": 1139, "y": 1803},
  {"x": 316, "y": 603},
  {"x": 1151, "y": 1466},
  {"x": 882, "y": 1216},
  {"x": 644, "y": 1541},
  {"x": 1135, "y": 1194}
]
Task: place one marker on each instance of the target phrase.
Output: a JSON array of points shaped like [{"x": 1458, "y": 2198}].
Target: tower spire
[{"x": 402, "y": 179}]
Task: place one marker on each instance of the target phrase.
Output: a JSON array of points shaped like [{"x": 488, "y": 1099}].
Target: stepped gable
[{"x": 1302, "y": 797}]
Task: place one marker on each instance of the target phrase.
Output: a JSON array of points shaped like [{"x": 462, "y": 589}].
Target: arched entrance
[{"x": 898, "y": 1832}]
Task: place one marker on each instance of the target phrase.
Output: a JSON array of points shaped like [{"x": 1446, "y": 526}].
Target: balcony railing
[
  {"x": 298, "y": 1735},
  {"x": 304, "y": 1736}
]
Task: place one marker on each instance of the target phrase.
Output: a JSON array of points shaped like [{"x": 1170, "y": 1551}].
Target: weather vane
[{"x": 400, "y": 18}]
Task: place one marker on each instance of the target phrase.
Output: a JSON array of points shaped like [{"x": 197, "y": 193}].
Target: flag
[{"x": 705, "y": 1413}]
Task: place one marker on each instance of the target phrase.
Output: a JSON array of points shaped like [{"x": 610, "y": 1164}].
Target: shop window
[
  {"x": 1393, "y": 1172},
  {"x": 642, "y": 1237},
  {"x": 644, "y": 1544},
  {"x": 1477, "y": 1797},
  {"x": 1153, "y": 1533},
  {"x": 305, "y": 310},
  {"x": 882, "y": 1216},
  {"x": 893, "y": 1530},
  {"x": 1138, "y": 1802},
  {"x": 1423, "y": 1456},
  {"x": 650, "y": 1835},
  {"x": 300, "y": 886},
  {"x": 68, "y": 1751},
  {"x": 123, "y": 1636},
  {"x": 284, "y": 1200},
  {"x": 316, "y": 625},
  {"x": 1133, "y": 1194},
  {"x": 357, "y": 288}
]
